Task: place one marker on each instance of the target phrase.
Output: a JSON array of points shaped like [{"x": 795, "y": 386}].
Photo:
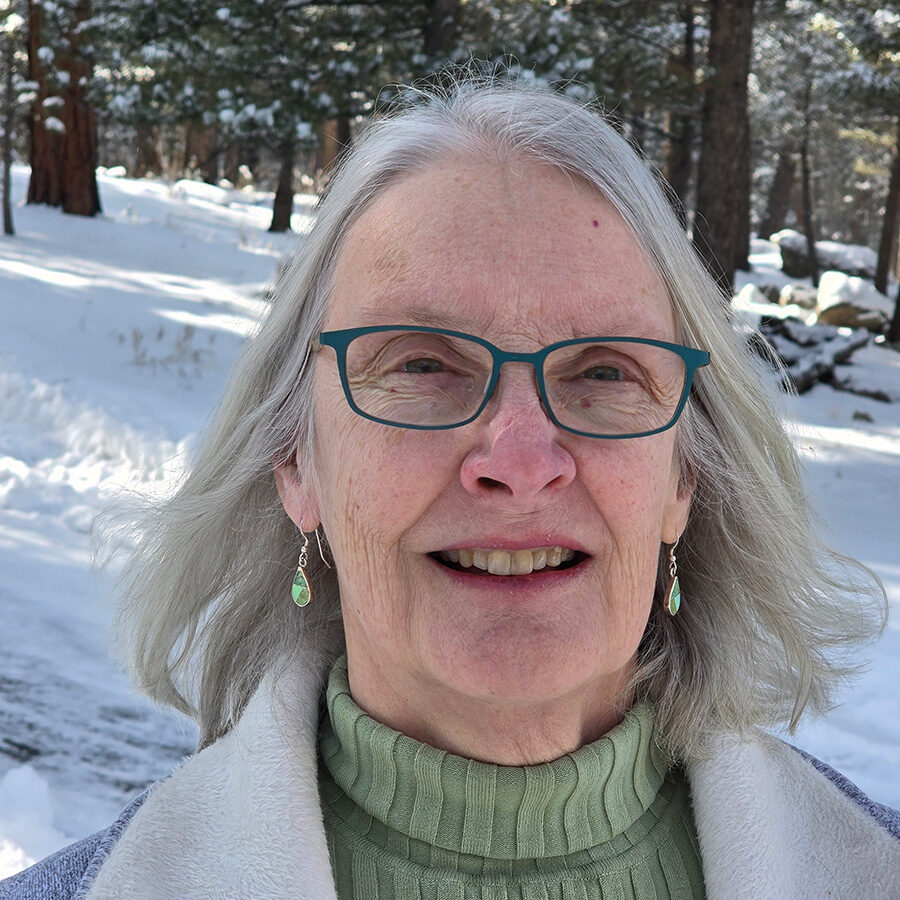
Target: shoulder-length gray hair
[{"x": 770, "y": 613}]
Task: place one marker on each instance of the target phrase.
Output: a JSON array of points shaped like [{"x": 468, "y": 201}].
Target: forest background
[{"x": 760, "y": 114}]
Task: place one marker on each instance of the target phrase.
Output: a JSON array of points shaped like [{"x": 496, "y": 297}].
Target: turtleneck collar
[{"x": 570, "y": 804}]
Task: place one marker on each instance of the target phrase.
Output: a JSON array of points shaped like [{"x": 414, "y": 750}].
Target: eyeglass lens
[{"x": 433, "y": 380}]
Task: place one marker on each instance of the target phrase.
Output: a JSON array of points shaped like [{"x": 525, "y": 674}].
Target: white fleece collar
[{"x": 242, "y": 818}]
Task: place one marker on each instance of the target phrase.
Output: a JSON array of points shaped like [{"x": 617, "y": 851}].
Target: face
[{"x": 524, "y": 256}]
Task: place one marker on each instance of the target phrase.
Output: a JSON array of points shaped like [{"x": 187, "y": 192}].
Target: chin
[{"x": 526, "y": 662}]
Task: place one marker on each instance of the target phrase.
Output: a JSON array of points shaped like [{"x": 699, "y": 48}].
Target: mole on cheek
[{"x": 595, "y": 223}]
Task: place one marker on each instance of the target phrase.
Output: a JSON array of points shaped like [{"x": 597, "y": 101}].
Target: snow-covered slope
[{"x": 116, "y": 336}]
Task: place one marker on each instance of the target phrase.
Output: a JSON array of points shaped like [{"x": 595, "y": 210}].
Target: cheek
[
  {"x": 630, "y": 483},
  {"x": 376, "y": 481}
]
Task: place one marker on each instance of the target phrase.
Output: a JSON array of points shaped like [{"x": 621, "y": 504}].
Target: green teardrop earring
[
  {"x": 673, "y": 591},
  {"x": 301, "y": 590}
]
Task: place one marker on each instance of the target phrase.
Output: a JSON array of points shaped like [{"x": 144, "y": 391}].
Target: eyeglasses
[{"x": 432, "y": 378}]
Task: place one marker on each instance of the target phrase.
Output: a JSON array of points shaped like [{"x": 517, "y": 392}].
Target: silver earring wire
[{"x": 321, "y": 554}]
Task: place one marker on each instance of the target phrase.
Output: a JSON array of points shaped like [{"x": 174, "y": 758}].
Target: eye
[
  {"x": 423, "y": 366},
  {"x": 603, "y": 373}
]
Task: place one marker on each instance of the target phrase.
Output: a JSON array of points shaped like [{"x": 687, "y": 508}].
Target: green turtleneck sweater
[{"x": 406, "y": 820}]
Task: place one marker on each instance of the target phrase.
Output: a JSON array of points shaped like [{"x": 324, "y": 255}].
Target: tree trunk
[
  {"x": 209, "y": 165},
  {"x": 283, "y": 206},
  {"x": 147, "y": 159},
  {"x": 723, "y": 201},
  {"x": 201, "y": 153},
  {"x": 639, "y": 128},
  {"x": 334, "y": 136},
  {"x": 677, "y": 161},
  {"x": 9, "y": 112},
  {"x": 44, "y": 146},
  {"x": 779, "y": 193},
  {"x": 809, "y": 228},
  {"x": 231, "y": 162},
  {"x": 439, "y": 30},
  {"x": 63, "y": 165},
  {"x": 82, "y": 197},
  {"x": 742, "y": 211},
  {"x": 893, "y": 334},
  {"x": 887, "y": 245}
]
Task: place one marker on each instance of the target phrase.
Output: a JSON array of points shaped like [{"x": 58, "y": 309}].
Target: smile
[{"x": 509, "y": 562}]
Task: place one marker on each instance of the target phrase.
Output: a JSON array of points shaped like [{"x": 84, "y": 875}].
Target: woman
[{"x": 561, "y": 567}]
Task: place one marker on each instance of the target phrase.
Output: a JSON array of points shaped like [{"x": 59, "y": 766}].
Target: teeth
[
  {"x": 499, "y": 562},
  {"x": 521, "y": 562},
  {"x": 505, "y": 562}
]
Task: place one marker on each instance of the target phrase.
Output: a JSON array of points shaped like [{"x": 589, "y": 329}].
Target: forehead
[{"x": 498, "y": 248}]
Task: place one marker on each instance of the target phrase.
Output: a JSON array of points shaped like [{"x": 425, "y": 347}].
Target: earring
[
  {"x": 673, "y": 591},
  {"x": 301, "y": 590}
]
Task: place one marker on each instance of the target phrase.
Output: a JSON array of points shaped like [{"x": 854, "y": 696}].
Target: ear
[
  {"x": 298, "y": 496},
  {"x": 678, "y": 506}
]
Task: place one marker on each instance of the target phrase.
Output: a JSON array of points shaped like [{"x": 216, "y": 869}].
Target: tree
[
  {"x": 63, "y": 124},
  {"x": 779, "y": 194},
  {"x": 11, "y": 25},
  {"x": 887, "y": 247},
  {"x": 874, "y": 33},
  {"x": 723, "y": 194},
  {"x": 678, "y": 160}
]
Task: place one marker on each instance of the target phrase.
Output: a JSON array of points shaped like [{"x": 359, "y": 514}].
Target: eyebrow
[{"x": 414, "y": 315}]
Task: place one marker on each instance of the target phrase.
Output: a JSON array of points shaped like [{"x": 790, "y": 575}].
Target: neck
[{"x": 523, "y": 731}]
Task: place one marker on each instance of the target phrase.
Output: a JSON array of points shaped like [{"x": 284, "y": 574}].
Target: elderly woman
[{"x": 555, "y": 574}]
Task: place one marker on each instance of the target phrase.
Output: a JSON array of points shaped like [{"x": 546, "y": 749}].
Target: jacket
[{"x": 242, "y": 819}]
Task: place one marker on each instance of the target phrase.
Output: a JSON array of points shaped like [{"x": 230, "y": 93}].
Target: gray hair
[{"x": 770, "y": 614}]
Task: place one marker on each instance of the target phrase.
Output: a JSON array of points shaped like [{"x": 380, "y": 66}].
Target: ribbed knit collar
[{"x": 569, "y": 804}]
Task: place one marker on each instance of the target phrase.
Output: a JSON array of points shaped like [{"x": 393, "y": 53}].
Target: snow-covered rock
[
  {"x": 801, "y": 295},
  {"x": 853, "y": 259},
  {"x": 199, "y": 190},
  {"x": 749, "y": 295},
  {"x": 852, "y": 302}
]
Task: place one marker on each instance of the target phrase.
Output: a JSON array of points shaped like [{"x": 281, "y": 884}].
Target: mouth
[{"x": 498, "y": 562}]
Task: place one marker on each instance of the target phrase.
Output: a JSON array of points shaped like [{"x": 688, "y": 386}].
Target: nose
[{"x": 517, "y": 454}]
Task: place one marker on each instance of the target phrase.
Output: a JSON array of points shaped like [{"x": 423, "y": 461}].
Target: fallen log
[{"x": 809, "y": 353}]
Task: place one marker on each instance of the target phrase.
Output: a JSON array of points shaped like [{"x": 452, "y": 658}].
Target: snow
[{"x": 117, "y": 337}]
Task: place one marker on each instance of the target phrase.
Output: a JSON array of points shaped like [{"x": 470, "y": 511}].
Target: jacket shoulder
[
  {"x": 66, "y": 874},
  {"x": 885, "y": 816}
]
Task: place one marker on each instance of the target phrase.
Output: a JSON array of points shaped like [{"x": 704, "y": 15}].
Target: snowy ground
[{"x": 117, "y": 336}]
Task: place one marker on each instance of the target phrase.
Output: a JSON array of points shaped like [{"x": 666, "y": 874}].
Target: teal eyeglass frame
[{"x": 340, "y": 341}]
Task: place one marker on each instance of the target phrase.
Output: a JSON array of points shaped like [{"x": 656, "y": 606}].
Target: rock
[
  {"x": 852, "y": 259},
  {"x": 846, "y": 315},
  {"x": 852, "y": 302},
  {"x": 860, "y": 415},
  {"x": 794, "y": 255},
  {"x": 771, "y": 291},
  {"x": 798, "y": 294}
]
